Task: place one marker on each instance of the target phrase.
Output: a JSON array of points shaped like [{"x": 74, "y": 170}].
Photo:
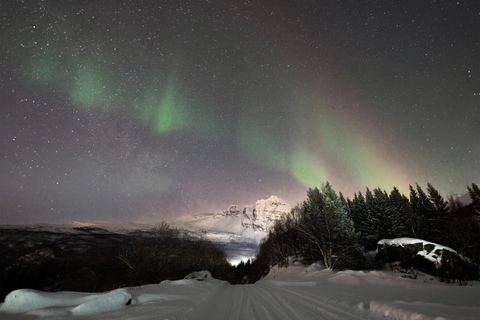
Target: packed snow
[{"x": 296, "y": 292}]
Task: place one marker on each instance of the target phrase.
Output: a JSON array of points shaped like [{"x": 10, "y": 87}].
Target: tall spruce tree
[
  {"x": 399, "y": 205},
  {"x": 453, "y": 202},
  {"x": 441, "y": 206},
  {"x": 427, "y": 212},
  {"x": 362, "y": 222},
  {"x": 436, "y": 219},
  {"x": 383, "y": 215},
  {"x": 414, "y": 218},
  {"x": 326, "y": 227},
  {"x": 372, "y": 220},
  {"x": 474, "y": 193}
]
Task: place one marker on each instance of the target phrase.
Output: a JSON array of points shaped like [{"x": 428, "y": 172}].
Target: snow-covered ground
[{"x": 296, "y": 292}]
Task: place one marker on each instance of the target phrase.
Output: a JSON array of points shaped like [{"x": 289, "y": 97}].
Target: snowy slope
[{"x": 292, "y": 293}]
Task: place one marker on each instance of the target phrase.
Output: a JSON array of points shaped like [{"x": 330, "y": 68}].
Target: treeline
[
  {"x": 168, "y": 254},
  {"x": 338, "y": 231}
]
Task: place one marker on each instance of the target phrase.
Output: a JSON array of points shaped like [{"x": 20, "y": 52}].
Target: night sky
[{"x": 147, "y": 110}]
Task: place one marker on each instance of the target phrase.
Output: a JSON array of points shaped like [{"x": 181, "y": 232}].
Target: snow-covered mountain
[
  {"x": 238, "y": 229},
  {"x": 250, "y": 221}
]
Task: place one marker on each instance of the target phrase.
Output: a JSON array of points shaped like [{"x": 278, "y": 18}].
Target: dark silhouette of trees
[
  {"x": 453, "y": 202},
  {"x": 165, "y": 254}
]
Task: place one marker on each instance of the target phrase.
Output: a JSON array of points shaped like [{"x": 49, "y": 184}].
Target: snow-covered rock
[
  {"x": 199, "y": 275},
  {"x": 231, "y": 212},
  {"x": 429, "y": 257}
]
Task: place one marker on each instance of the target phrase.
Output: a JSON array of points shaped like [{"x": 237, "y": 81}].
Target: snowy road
[
  {"x": 295, "y": 293},
  {"x": 266, "y": 301}
]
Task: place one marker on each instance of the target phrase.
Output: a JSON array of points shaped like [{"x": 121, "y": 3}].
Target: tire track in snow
[
  {"x": 314, "y": 302},
  {"x": 261, "y": 303},
  {"x": 286, "y": 309}
]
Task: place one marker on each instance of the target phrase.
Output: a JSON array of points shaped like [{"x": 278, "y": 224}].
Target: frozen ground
[{"x": 293, "y": 293}]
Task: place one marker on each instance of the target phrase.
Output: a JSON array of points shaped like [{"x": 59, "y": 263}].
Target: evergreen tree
[
  {"x": 436, "y": 219},
  {"x": 453, "y": 202},
  {"x": 414, "y": 218},
  {"x": 363, "y": 222},
  {"x": 474, "y": 193},
  {"x": 437, "y": 200},
  {"x": 342, "y": 199},
  {"x": 399, "y": 205},
  {"x": 427, "y": 215},
  {"x": 382, "y": 212},
  {"x": 326, "y": 228}
]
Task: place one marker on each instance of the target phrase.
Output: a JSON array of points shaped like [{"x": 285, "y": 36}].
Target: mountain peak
[
  {"x": 260, "y": 216},
  {"x": 273, "y": 200}
]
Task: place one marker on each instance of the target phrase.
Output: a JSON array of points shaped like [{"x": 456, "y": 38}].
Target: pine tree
[
  {"x": 342, "y": 199},
  {"x": 437, "y": 200},
  {"x": 399, "y": 206},
  {"x": 364, "y": 222},
  {"x": 382, "y": 213},
  {"x": 372, "y": 218},
  {"x": 474, "y": 193},
  {"x": 414, "y": 218},
  {"x": 436, "y": 219},
  {"x": 453, "y": 202},
  {"x": 326, "y": 227}
]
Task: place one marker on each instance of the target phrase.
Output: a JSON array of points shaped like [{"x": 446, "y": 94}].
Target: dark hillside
[{"x": 93, "y": 259}]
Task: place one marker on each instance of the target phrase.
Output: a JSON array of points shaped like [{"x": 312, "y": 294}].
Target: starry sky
[{"x": 147, "y": 110}]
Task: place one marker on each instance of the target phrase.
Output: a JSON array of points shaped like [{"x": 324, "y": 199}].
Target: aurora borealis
[{"x": 147, "y": 110}]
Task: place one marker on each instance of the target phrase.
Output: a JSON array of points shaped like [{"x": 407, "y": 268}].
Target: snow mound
[
  {"x": 26, "y": 300},
  {"x": 106, "y": 302}
]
